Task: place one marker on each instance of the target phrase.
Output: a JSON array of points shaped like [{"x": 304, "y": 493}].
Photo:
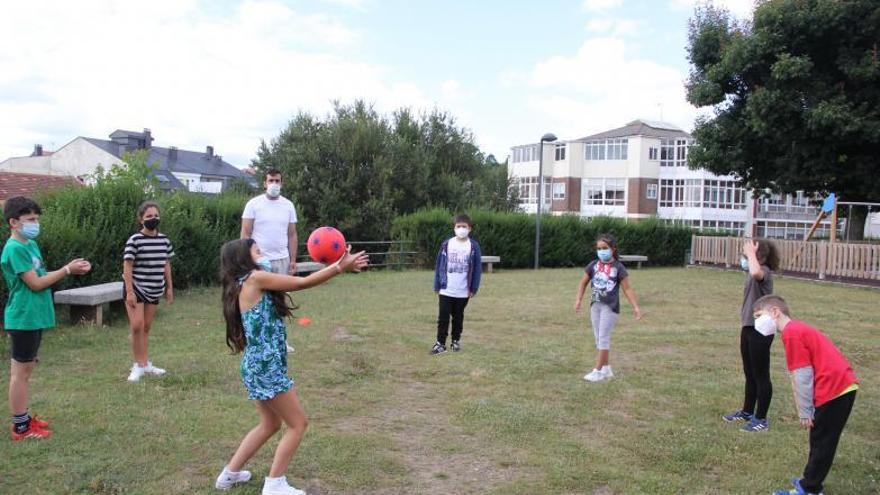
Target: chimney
[
  {"x": 172, "y": 153},
  {"x": 38, "y": 150},
  {"x": 209, "y": 152},
  {"x": 148, "y": 138},
  {"x": 218, "y": 158}
]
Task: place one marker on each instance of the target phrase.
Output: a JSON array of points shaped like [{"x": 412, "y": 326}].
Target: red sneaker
[
  {"x": 43, "y": 425},
  {"x": 34, "y": 432}
]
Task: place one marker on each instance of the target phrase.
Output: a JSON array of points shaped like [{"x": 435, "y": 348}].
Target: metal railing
[{"x": 383, "y": 254}]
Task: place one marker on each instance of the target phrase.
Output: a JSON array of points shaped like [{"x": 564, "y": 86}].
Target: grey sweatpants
[
  {"x": 281, "y": 266},
  {"x": 603, "y": 319}
]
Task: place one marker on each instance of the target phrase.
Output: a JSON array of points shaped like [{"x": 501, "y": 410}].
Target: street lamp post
[{"x": 549, "y": 138}]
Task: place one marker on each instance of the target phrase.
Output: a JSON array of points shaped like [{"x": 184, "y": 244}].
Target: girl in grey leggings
[{"x": 606, "y": 276}]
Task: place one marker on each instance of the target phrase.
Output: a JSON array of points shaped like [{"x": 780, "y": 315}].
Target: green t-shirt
[{"x": 25, "y": 309}]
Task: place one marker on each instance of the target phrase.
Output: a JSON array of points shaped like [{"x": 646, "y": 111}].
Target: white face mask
[
  {"x": 744, "y": 263},
  {"x": 273, "y": 190},
  {"x": 462, "y": 232},
  {"x": 765, "y": 325}
]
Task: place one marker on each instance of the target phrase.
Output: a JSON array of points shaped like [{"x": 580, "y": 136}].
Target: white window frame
[
  {"x": 651, "y": 192},
  {"x": 558, "y": 190}
]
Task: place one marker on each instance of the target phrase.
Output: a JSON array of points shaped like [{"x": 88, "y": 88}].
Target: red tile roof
[{"x": 18, "y": 184}]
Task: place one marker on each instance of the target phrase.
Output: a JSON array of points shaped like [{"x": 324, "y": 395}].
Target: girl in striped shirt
[{"x": 146, "y": 271}]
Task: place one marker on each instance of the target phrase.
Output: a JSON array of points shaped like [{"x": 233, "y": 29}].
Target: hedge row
[
  {"x": 94, "y": 223},
  {"x": 565, "y": 240}
]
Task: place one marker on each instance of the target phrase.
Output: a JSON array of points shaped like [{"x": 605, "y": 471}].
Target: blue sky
[{"x": 231, "y": 73}]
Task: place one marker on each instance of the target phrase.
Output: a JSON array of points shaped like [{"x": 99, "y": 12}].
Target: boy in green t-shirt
[{"x": 29, "y": 309}]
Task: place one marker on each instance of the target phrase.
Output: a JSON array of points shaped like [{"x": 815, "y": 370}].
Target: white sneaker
[
  {"x": 279, "y": 486},
  {"x": 228, "y": 479},
  {"x": 137, "y": 371},
  {"x": 290, "y": 348},
  {"x": 606, "y": 372},
  {"x": 152, "y": 370},
  {"x": 594, "y": 376}
]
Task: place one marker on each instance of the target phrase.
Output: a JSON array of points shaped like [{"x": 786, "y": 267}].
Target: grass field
[{"x": 510, "y": 414}]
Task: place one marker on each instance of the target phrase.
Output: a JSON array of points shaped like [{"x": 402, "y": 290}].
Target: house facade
[
  {"x": 175, "y": 169},
  {"x": 640, "y": 171}
]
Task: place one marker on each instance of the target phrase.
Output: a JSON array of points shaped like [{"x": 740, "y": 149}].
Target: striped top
[{"x": 150, "y": 254}]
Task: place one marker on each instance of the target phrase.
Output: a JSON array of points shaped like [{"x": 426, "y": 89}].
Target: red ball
[{"x": 326, "y": 245}]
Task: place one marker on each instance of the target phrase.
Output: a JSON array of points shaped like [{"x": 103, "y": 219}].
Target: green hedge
[
  {"x": 94, "y": 223},
  {"x": 565, "y": 240}
]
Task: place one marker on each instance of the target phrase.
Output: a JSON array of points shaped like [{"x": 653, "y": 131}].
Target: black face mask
[{"x": 151, "y": 223}]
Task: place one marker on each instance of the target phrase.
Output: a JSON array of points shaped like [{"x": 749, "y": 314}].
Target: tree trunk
[{"x": 855, "y": 222}]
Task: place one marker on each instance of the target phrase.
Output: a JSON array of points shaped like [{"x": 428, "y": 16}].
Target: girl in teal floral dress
[{"x": 255, "y": 305}]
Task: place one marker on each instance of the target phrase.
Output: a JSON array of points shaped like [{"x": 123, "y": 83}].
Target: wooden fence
[{"x": 821, "y": 258}]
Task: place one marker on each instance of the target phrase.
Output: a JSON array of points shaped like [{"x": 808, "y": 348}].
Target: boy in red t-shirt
[{"x": 824, "y": 387}]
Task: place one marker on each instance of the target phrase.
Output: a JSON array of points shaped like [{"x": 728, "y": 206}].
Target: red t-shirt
[{"x": 806, "y": 346}]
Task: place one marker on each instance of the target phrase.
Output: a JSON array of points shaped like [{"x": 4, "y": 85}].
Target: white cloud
[
  {"x": 614, "y": 27},
  {"x": 739, "y": 8},
  {"x": 602, "y": 86},
  {"x": 193, "y": 76},
  {"x": 601, "y": 5}
]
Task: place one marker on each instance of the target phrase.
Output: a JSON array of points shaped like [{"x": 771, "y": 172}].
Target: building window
[
  {"x": 696, "y": 193},
  {"x": 594, "y": 150},
  {"x": 560, "y": 152},
  {"x": 651, "y": 192},
  {"x": 559, "y": 190},
  {"x": 528, "y": 190},
  {"x": 604, "y": 192},
  {"x": 615, "y": 192},
  {"x": 525, "y": 153},
  {"x": 606, "y": 149},
  {"x": 652, "y": 153},
  {"x": 673, "y": 152},
  {"x": 593, "y": 191}
]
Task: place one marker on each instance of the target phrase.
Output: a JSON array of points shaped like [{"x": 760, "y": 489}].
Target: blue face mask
[
  {"x": 744, "y": 263},
  {"x": 264, "y": 264},
  {"x": 30, "y": 230},
  {"x": 604, "y": 254}
]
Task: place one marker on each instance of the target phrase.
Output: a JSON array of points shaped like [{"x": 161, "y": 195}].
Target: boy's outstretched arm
[
  {"x": 37, "y": 283},
  {"x": 802, "y": 383},
  {"x": 631, "y": 297}
]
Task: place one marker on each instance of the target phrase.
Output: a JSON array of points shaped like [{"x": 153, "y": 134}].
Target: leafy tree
[
  {"x": 358, "y": 170},
  {"x": 796, "y": 96}
]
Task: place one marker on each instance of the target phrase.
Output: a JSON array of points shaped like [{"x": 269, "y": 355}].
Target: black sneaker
[
  {"x": 455, "y": 346},
  {"x": 438, "y": 348}
]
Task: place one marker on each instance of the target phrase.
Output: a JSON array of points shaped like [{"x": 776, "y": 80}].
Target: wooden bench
[
  {"x": 87, "y": 303},
  {"x": 634, "y": 258},
  {"x": 307, "y": 267},
  {"x": 489, "y": 260}
]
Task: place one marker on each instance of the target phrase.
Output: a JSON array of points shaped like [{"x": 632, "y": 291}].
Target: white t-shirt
[
  {"x": 271, "y": 218},
  {"x": 457, "y": 264}
]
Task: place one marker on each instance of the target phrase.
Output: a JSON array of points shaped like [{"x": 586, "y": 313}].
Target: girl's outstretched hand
[{"x": 353, "y": 262}]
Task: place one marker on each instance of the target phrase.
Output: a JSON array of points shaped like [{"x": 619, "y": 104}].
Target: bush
[
  {"x": 565, "y": 240},
  {"x": 94, "y": 223}
]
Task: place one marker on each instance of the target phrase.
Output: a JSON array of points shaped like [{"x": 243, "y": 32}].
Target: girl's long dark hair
[
  {"x": 611, "y": 241},
  {"x": 235, "y": 263}
]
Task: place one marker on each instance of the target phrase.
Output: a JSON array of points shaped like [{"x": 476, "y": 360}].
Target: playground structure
[{"x": 821, "y": 259}]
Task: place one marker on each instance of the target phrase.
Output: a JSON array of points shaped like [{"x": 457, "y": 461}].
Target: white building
[
  {"x": 640, "y": 171},
  {"x": 194, "y": 171}
]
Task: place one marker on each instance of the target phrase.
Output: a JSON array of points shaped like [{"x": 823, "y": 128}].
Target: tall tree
[
  {"x": 357, "y": 169},
  {"x": 796, "y": 96}
]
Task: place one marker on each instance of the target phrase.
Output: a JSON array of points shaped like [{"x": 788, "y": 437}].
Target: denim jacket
[{"x": 475, "y": 267}]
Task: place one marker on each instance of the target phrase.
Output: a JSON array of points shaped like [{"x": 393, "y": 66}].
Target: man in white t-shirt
[{"x": 270, "y": 220}]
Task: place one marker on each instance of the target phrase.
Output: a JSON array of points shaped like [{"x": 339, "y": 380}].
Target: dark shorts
[
  {"x": 25, "y": 344},
  {"x": 139, "y": 296}
]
